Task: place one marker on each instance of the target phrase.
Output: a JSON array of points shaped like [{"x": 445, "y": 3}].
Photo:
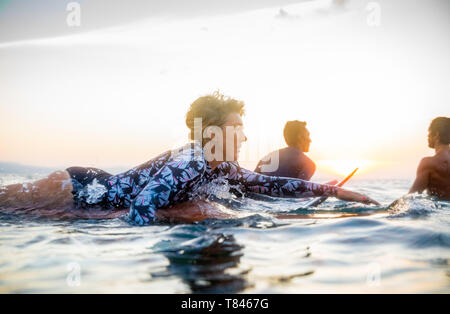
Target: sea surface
[{"x": 402, "y": 248}]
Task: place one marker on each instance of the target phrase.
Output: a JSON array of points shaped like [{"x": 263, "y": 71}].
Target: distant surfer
[
  {"x": 291, "y": 161},
  {"x": 165, "y": 186},
  {"x": 433, "y": 173}
]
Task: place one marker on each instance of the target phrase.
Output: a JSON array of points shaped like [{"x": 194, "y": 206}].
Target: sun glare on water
[{"x": 345, "y": 167}]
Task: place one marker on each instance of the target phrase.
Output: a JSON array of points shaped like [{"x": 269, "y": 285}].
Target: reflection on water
[{"x": 206, "y": 263}]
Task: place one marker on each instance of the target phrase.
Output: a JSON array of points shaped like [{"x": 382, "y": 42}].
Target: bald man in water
[{"x": 433, "y": 173}]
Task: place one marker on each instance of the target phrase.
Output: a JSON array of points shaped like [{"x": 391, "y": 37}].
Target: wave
[{"x": 417, "y": 205}]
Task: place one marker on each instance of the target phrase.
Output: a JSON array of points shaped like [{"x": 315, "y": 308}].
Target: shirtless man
[
  {"x": 293, "y": 162},
  {"x": 433, "y": 173}
]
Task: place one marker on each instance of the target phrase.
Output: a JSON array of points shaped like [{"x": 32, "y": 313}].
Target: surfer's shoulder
[
  {"x": 189, "y": 156},
  {"x": 425, "y": 164}
]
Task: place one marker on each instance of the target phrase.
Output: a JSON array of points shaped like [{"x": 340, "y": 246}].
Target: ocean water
[{"x": 394, "y": 249}]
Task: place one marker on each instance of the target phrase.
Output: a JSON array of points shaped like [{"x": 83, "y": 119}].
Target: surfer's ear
[{"x": 434, "y": 138}]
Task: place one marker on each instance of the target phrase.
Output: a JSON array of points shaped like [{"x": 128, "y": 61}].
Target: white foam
[{"x": 94, "y": 192}]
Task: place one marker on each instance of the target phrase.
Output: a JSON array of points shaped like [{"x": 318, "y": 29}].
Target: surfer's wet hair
[
  {"x": 441, "y": 126},
  {"x": 292, "y": 130},
  {"x": 213, "y": 110}
]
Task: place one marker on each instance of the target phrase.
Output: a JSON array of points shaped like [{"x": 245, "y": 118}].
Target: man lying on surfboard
[
  {"x": 433, "y": 173},
  {"x": 165, "y": 186},
  {"x": 290, "y": 161}
]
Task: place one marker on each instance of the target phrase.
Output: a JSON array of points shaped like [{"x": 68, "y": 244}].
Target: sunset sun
[{"x": 345, "y": 166}]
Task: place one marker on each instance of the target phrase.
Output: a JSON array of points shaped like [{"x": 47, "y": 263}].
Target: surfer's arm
[
  {"x": 287, "y": 187},
  {"x": 165, "y": 188},
  {"x": 351, "y": 196},
  {"x": 274, "y": 186},
  {"x": 422, "y": 177}
]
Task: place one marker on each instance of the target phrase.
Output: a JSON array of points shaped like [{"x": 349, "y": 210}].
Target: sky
[{"x": 367, "y": 77}]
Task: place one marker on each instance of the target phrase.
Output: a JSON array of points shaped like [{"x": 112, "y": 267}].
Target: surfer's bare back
[{"x": 433, "y": 173}]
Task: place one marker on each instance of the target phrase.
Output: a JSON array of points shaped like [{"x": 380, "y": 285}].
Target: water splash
[
  {"x": 414, "y": 205},
  {"x": 218, "y": 190},
  {"x": 93, "y": 192}
]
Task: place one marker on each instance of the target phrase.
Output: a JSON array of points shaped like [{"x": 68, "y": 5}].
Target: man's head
[
  {"x": 439, "y": 132},
  {"x": 218, "y": 113},
  {"x": 297, "y": 135}
]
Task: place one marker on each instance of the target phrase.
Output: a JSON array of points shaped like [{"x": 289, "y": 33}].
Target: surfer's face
[
  {"x": 304, "y": 142},
  {"x": 432, "y": 139},
  {"x": 233, "y": 136},
  {"x": 225, "y": 140}
]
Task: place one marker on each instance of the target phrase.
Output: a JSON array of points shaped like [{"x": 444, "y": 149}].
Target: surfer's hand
[
  {"x": 346, "y": 195},
  {"x": 368, "y": 200}
]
